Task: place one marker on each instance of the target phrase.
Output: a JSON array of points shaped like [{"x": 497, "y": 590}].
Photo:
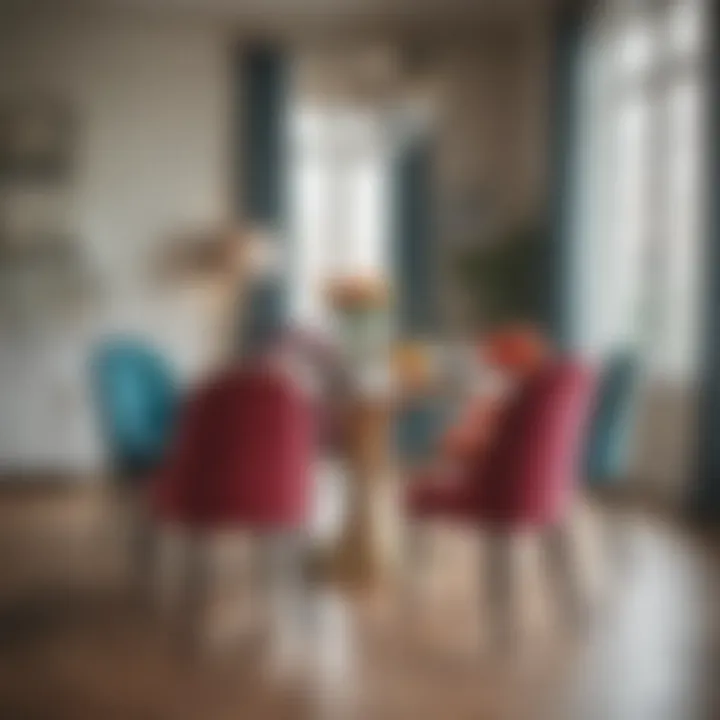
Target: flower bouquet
[{"x": 361, "y": 311}]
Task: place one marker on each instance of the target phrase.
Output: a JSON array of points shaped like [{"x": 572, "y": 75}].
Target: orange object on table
[
  {"x": 474, "y": 430},
  {"x": 358, "y": 292},
  {"x": 518, "y": 350},
  {"x": 412, "y": 366}
]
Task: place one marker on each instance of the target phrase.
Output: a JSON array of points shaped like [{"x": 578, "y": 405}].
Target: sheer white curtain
[
  {"x": 640, "y": 167},
  {"x": 639, "y": 223},
  {"x": 339, "y": 199}
]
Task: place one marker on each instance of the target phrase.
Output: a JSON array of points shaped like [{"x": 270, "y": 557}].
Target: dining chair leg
[
  {"x": 138, "y": 535},
  {"x": 594, "y": 549},
  {"x": 194, "y": 603},
  {"x": 564, "y": 565},
  {"x": 510, "y": 588},
  {"x": 283, "y": 562},
  {"x": 299, "y": 556},
  {"x": 289, "y": 599},
  {"x": 498, "y": 588},
  {"x": 168, "y": 570},
  {"x": 144, "y": 552},
  {"x": 417, "y": 556}
]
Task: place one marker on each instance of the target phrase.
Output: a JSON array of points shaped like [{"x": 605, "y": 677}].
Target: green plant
[{"x": 504, "y": 280}]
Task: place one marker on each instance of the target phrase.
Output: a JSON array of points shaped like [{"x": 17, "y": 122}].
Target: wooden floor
[{"x": 76, "y": 643}]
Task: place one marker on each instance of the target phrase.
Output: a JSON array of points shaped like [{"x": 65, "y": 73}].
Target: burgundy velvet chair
[
  {"x": 242, "y": 460},
  {"x": 525, "y": 482}
]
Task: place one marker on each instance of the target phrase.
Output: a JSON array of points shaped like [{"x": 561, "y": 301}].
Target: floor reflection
[{"x": 77, "y": 643}]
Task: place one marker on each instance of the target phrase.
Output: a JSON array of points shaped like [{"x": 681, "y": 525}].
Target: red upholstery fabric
[
  {"x": 528, "y": 474},
  {"x": 442, "y": 494},
  {"x": 243, "y": 454}
]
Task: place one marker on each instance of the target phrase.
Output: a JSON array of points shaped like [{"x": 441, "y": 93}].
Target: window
[
  {"x": 640, "y": 218},
  {"x": 339, "y": 196}
]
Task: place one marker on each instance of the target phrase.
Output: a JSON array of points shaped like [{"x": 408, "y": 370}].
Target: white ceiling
[
  {"x": 244, "y": 8},
  {"x": 284, "y": 13}
]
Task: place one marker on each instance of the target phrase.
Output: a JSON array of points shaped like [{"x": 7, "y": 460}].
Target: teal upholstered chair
[
  {"x": 418, "y": 428},
  {"x": 137, "y": 398},
  {"x": 612, "y": 422}
]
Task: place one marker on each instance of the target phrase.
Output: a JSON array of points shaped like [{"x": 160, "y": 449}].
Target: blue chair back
[
  {"x": 137, "y": 398},
  {"x": 419, "y": 426},
  {"x": 612, "y": 422}
]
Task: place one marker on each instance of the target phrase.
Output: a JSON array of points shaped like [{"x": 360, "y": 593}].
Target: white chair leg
[
  {"x": 507, "y": 586},
  {"x": 144, "y": 552},
  {"x": 137, "y": 530},
  {"x": 417, "y": 555},
  {"x": 299, "y": 557},
  {"x": 168, "y": 572},
  {"x": 288, "y": 593},
  {"x": 565, "y": 564},
  {"x": 194, "y": 603},
  {"x": 498, "y": 588}
]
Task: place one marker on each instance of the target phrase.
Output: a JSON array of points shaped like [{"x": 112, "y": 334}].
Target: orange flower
[
  {"x": 357, "y": 293},
  {"x": 412, "y": 365},
  {"x": 518, "y": 349}
]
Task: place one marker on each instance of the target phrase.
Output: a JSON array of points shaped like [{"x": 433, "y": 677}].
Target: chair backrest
[
  {"x": 419, "y": 426},
  {"x": 243, "y": 454},
  {"x": 611, "y": 426},
  {"x": 528, "y": 475},
  {"x": 137, "y": 398}
]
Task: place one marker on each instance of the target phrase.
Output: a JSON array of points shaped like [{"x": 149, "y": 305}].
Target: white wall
[
  {"x": 492, "y": 140},
  {"x": 493, "y": 134},
  {"x": 152, "y": 107},
  {"x": 152, "y": 102}
]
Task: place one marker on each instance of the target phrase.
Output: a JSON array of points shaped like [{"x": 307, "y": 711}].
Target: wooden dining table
[{"x": 367, "y": 553}]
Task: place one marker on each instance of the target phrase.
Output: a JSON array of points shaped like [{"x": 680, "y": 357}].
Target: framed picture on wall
[{"x": 36, "y": 140}]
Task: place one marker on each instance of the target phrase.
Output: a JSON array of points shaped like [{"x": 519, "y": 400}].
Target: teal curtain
[
  {"x": 421, "y": 421},
  {"x": 261, "y": 99},
  {"x": 706, "y": 495},
  {"x": 568, "y": 35},
  {"x": 413, "y": 239}
]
